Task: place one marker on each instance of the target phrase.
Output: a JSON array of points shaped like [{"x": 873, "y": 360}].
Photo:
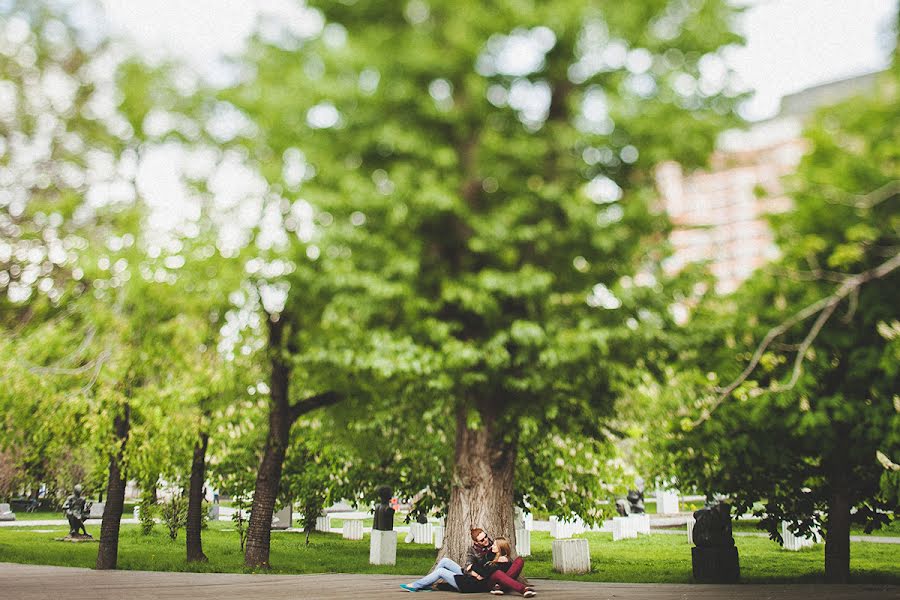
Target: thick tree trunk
[
  {"x": 108, "y": 552},
  {"x": 481, "y": 494},
  {"x": 195, "y": 501},
  {"x": 837, "y": 535}
]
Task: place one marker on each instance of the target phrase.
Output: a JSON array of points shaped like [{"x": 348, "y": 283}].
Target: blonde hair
[{"x": 503, "y": 548}]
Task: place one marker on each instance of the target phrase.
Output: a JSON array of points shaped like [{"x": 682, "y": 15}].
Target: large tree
[
  {"x": 474, "y": 156},
  {"x": 805, "y": 418}
]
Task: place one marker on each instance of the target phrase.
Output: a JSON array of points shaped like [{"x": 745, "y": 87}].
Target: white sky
[{"x": 791, "y": 44}]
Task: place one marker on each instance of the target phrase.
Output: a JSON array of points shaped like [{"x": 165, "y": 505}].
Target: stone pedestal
[
  {"x": 323, "y": 524},
  {"x": 438, "y": 536},
  {"x": 353, "y": 529},
  {"x": 666, "y": 503},
  {"x": 795, "y": 542},
  {"x": 641, "y": 523},
  {"x": 690, "y": 530},
  {"x": 422, "y": 533},
  {"x": 624, "y": 528},
  {"x": 571, "y": 556},
  {"x": 523, "y": 542},
  {"x": 282, "y": 519},
  {"x": 97, "y": 510},
  {"x": 383, "y": 548},
  {"x": 715, "y": 564},
  {"x": 6, "y": 513},
  {"x": 213, "y": 512}
]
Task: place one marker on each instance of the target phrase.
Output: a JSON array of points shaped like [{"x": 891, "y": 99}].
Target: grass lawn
[
  {"x": 42, "y": 515},
  {"x": 657, "y": 558},
  {"x": 890, "y": 530}
]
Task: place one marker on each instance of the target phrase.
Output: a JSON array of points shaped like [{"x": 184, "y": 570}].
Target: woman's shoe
[
  {"x": 408, "y": 587},
  {"x": 529, "y": 594}
]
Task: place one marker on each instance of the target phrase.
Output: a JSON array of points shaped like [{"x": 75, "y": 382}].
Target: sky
[{"x": 791, "y": 44}]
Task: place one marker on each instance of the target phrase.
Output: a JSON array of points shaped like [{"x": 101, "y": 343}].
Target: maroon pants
[{"x": 507, "y": 579}]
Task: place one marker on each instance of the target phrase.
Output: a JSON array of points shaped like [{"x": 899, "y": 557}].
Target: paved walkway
[{"x": 28, "y": 582}]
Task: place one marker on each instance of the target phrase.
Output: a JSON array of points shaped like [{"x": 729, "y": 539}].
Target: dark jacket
[{"x": 469, "y": 584}]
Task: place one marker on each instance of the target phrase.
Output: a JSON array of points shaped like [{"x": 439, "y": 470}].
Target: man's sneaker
[
  {"x": 408, "y": 587},
  {"x": 497, "y": 592},
  {"x": 529, "y": 594}
]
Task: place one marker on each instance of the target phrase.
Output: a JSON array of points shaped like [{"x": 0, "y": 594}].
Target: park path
[{"x": 30, "y": 582}]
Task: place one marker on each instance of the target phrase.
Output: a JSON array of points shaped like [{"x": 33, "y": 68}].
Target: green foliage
[
  {"x": 174, "y": 514},
  {"x": 239, "y": 519},
  {"x": 457, "y": 247},
  {"x": 147, "y": 511},
  {"x": 794, "y": 447}
]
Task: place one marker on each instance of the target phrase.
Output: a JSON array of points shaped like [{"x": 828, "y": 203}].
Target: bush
[
  {"x": 174, "y": 514},
  {"x": 147, "y": 511}
]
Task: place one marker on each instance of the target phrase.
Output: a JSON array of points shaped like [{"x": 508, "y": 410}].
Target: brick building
[{"x": 719, "y": 213}]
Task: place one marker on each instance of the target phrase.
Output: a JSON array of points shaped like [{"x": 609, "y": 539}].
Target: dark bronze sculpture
[
  {"x": 384, "y": 513},
  {"x": 715, "y": 557},
  {"x": 636, "y": 502},
  {"x": 77, "y": 511}
]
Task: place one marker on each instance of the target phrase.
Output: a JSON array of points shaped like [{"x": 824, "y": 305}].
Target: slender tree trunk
[
  {"x": 268, "y": 478},
  {"x": 108, "y": 552},
  {"x": 195, "y": 500},
  {"x": 481, "y": 494},
  {"x": 837, "y": 536}
]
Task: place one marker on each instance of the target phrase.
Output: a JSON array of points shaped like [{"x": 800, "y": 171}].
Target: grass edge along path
[{"x": 648, "y": 559}]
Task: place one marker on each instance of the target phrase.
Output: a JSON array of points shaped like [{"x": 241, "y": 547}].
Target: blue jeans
[{"x": 445, "y": 569}]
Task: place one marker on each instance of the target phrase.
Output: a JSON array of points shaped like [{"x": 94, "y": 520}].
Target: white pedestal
[
  {"x": 282, "y": 519},
  {"x": 323, "y": 524},
  {"x": 423, "y": 533},
  {"x": 523, "y": 542},
  {"x": 641, "y": 523},
  {"x": 794, "y": 542},
  {"x": 690, "y": 530},
  {"x": 666, "y": 502},
  {"x": 6, "y": 513},
  {"x": 97, "y": 510},
  {"x": 624, "y": 528},
  {"x": 353, "y": 529},
  {"x": 571, "y": 556},
  {"x": 438, "y": 536},
  {"x": 383, "y": 548}
]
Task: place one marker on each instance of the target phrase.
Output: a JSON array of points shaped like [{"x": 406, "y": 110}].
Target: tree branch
[
  {"x": 864, "y": 201},
  {"x": 313, "y": 402},
  {"x": 824, "y": 308}
]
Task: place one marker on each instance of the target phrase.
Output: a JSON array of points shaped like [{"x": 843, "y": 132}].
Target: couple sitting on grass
[{"x": 488, "y": 569}]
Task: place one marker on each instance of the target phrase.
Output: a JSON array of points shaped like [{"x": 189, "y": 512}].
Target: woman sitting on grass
[{"x": 475, "y": 579}]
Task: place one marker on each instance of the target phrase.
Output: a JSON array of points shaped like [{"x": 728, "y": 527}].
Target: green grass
[
  {"x": 890, "y": 530},
  {"x": 42, "y": 515},
  {"x": 657, "y": 558}
]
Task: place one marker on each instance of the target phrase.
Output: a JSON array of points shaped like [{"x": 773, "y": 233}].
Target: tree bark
[
  {"x": 195, "y": 500},
  {"x": 481, "y": 493},
  {"x": 108, "y": 552},
  {"x": 837, "y": 535},
  {"x": 282, "y": 415}
]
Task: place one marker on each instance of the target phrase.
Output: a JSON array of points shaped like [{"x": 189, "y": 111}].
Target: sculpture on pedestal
[
  {"x": 715, "y": 557},
  {"x": 384, "y": 513},
  {"x": 76, "y": 510}
]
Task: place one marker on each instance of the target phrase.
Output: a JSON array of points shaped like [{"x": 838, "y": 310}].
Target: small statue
[
  {"x": 77, "y": 510},
  {"x": 636, "y": 502},
  {"x": 713, "y": 526},
  {"x": 714, "y": 558},
  {"x": 384, "y": 513}
]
